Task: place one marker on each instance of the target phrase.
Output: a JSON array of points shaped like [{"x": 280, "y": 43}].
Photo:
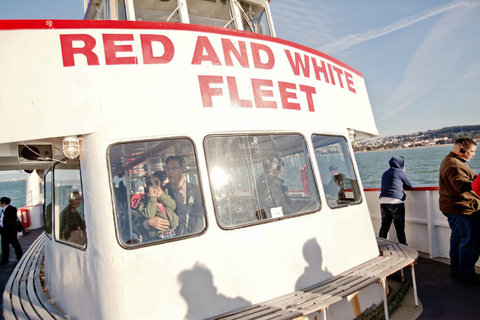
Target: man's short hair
[
  {"x": 466, "y": 142},
  {"x": 180, "y": 160},
  {"x": 272, "y": 162},
  {"x": 5, "y": 200},
  {"x": 333, "y": 168}
]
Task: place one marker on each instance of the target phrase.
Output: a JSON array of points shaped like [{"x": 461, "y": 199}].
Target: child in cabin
[{"x": 157, "y": 203}]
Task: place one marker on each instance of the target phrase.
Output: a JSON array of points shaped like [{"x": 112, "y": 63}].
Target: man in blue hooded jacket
[{"x": 392, "y": 197}]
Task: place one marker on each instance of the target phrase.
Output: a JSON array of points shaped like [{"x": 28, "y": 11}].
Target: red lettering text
[
  {"x": 234, "y": 97},
  {"x": 298, "y": 63},
  {"x": 208, "y": 92},
  {"x": 68, "y": 51},
  {"x": 241, "y": 56},
  {"x": 285, "y": 95},
  {"x": 258, "y": 93},
  {"x": 111, "y": 49},
  {"x": 147, "y": 49},
  {"x": 203, "y": 44},
  {"x": 348, "y": 76},
  {"x": 257, "y": 60}
]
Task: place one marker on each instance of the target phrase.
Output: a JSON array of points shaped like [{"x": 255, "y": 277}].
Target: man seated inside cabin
[
  {"x": 72, "y": 226},
  {"x": 189, "y": 207},
  {"x": 272, "y": 192},
  {"x": 157, "y": 203},
  {"x": 332, "y": 188}
]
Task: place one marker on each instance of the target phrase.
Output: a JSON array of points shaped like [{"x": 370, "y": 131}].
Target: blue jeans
[
  {"x": 464, "y": 243},
  {"x": 395, "y": 212}
]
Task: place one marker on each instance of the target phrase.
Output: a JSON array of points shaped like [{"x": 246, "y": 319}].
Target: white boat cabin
[{"x": 252, "y": 132}]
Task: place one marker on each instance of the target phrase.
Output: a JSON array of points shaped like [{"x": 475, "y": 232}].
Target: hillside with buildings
[{"x": 420, "y": 139}]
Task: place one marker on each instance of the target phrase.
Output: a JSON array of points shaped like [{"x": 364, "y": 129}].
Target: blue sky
[{"x": 420, "y": 59}]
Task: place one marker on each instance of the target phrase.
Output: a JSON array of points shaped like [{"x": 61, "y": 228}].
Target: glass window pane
[
  {"x": 47, "y": 208},
  {"x": 69, "y": 214},
  {"x": 209, "y": 12},
  {"x": 254, "y": 18},
  {"x": 156, "y": 191},
  {"x": 155, "y": 10},
  {"x": 259, "y": 177},
  {"x": 336, "y": 169},
  {"x": 122, "y": 15}
]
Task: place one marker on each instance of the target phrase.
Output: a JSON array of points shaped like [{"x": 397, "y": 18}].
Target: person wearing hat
[{"x": 8, "y": 229}]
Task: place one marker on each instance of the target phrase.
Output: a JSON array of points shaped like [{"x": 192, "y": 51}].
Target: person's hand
[
  {"x": 158, "y": 223},
  {"x": 154, "y": 192}
]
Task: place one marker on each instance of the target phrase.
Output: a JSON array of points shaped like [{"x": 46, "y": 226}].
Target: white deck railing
[{"x": 426, "y": 228}]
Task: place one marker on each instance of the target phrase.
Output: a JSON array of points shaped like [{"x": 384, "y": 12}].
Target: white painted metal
[
  {"x": 426, "y": 228},
  {"x": 220, "y": 270}
]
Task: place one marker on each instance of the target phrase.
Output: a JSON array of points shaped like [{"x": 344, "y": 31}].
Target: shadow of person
[
  {"x": 313, "y": 273},
  {"x": 201, "y": 295}
]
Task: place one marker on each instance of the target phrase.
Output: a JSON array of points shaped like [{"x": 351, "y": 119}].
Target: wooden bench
[
  {"x": 393, "y": 257},
  {"x": 24, "y": 297}
]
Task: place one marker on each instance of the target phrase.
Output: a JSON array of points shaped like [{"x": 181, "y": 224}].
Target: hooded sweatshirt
[{"x": 394, "y": 180}]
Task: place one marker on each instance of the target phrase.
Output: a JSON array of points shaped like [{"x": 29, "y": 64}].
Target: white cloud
[
  {"x": 358, "y": 38},
  {"x": 433, "y": 60}
]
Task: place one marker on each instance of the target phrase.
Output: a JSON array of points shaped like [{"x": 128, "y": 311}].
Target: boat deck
[{"x": 442, "y": 297}]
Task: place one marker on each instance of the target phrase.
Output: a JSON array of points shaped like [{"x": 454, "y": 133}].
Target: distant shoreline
[{"x": 391, "y": 149}]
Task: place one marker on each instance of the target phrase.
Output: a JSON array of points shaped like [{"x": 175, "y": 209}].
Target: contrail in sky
[{"x": 357, "y": 38}]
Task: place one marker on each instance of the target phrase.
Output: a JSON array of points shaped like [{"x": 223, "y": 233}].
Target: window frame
[
  {"x": 55, "y": 220},
  {"x": 308, "y": 161},
  {"x": 352, "y": 165},
  {"x": 49, "y": 171},
  {"x": 113, "y": 198}
]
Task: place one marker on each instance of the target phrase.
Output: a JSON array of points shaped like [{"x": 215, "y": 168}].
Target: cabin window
[
  {"x": 254, "y": 18},
  {"x": 156, "y": 10},
  {"x": 260, "y": 178},
  {"x": 47, "y": 208},
  {"x": 156, "y": 191},
  {"x": 68, "y": 199},
  {"x": 122, "y": 14},
  {"x": 336, "y": 169},
  {"x": 215, "y": 13}
]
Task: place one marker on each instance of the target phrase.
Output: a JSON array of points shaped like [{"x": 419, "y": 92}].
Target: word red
[
  {"x": 330, "y": 73},
  {"x": 261, "y": 88},
  {"x": 111, "y": 49}
]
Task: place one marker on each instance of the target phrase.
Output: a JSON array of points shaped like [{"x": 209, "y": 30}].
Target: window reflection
[
  {"x": 156, "y": 191},
  {"x": 336, "y": 169},
  {"x": 254, "y": 18},
  {"x": 69, "y": 214},
  {"x": 259, "y": 178}
]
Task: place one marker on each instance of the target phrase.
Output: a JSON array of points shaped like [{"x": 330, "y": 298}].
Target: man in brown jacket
[{"x": 461, "y": 206}]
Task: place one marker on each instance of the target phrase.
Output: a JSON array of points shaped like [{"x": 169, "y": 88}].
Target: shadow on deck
[{"x": 442, "y": 297}]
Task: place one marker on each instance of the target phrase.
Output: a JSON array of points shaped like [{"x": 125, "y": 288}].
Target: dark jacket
[
  {"x": 9, "y": 220},
  {"x": 192, "y": 221},
  {"x": 455, "y": 182},
  {"x": 272, "y": 193},
  {"x": 394, "y": 180}
]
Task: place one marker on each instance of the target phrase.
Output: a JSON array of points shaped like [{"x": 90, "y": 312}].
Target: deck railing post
[
  {"x": 385, "y": 302},
  {"x": 414, "y": 284}
]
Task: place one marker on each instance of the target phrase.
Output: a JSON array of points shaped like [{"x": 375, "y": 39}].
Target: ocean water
[
  {"x": 15, "y": 190},
  {"x": 421, "y": 164}
]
